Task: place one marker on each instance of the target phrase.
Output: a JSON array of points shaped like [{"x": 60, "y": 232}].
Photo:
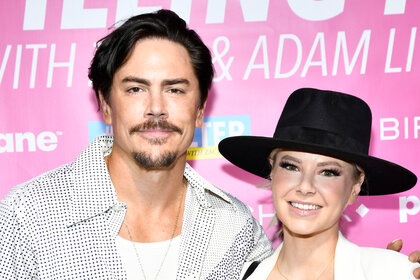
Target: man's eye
[
  {"x": 289, "y": 166},
  {"x": 134, "y": 90},
  {"x": 175, "y": 91},
  {"x": 330, "y": 173}
]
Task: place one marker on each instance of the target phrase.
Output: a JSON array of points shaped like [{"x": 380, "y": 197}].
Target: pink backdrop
[{"x": 262, "y": 50}]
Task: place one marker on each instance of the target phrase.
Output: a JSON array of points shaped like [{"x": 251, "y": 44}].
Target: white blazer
[{"x": 352, "y": 262}]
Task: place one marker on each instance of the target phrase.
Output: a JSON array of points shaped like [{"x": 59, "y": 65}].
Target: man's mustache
[{"x": 152, "y": 124}]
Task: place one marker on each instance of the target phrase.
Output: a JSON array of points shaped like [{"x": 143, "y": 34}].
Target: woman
[{"x": 318, "y": 163}]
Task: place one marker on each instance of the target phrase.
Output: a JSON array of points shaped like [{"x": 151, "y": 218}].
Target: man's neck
[{"x": 153, "y": 196}]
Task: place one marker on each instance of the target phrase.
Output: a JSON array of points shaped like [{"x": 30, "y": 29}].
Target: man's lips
[{"x": 155, "y": 132}]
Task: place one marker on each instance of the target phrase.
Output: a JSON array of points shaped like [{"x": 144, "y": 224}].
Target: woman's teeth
[{"x": 305, "y": 206}]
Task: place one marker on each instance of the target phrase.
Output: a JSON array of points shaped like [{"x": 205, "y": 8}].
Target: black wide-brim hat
[{"x": 323, "y": 122}]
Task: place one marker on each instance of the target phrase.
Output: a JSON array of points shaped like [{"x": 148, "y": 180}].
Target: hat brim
[{"x": 251, "y": 154}]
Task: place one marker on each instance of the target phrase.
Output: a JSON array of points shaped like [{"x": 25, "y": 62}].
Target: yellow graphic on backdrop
[{"x": 203, "y": 153}]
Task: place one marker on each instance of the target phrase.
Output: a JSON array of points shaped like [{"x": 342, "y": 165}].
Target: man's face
[{"x": 154, "y": 104}]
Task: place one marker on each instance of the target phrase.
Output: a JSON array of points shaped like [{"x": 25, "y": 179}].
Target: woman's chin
[{"x": 306, "y": 231}]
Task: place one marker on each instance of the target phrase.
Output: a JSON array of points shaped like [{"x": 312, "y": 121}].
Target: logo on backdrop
[
  {"x": 45, "y": 141},
  {"x": 206, "y": 138},
  {"x": 215, "y": 129},
  {"x": 98, "y": 128},
  {"x": 75, "y": 16},
  {"x": 409, "y": 206},
  {"x": 393, "y": 128}
]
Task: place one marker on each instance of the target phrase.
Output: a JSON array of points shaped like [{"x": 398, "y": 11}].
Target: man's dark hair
[{"x": 115, "y": 49}]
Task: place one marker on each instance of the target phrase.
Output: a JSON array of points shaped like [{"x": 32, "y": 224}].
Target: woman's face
[{"x": 311, "y": 191}]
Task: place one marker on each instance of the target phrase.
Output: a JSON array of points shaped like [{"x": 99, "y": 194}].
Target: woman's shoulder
[
  {"x": 389, "y": 263},
  {"x": 383, "y": 254},
  {"x": 377, "y": 263},
  {"x": 370, "y": 255}
]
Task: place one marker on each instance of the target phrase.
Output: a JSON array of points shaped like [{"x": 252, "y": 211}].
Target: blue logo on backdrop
[
  {"x": 98, "y": 128},
  {"x": 215, "y": 129}
]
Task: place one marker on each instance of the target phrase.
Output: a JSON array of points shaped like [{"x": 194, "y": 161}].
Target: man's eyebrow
[
  {"x": 171, "y": 82},
  {"x": 168, "y": 82},
  {"x": 134, "y": 79}
]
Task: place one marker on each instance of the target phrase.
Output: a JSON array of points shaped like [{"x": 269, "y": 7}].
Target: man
[
  {"x": 130, "y": 206},
  {"x": 86, "y": 219}
]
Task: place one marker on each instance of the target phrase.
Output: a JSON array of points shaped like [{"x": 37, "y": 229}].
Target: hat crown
[{"x": 341, "y": 120}]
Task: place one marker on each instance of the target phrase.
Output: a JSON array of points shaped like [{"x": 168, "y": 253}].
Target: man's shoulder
[
  {"x": 218, "y": 198},
  {"x": 57, "y": 183},
  {"x": 238, "y": 204},
  {"x": 38, "y": 188},
  {"x": 229, "y": 205}
]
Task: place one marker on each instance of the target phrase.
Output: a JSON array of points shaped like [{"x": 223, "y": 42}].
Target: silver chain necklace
[
  {"x": 169, "y": 245},
  {"x": 320, "y": 274}
]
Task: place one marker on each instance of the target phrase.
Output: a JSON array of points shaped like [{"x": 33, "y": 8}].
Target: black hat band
[{"x": 320, "y": 138}]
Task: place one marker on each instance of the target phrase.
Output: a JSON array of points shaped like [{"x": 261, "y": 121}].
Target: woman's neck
[{"x": 306, "y": 257}]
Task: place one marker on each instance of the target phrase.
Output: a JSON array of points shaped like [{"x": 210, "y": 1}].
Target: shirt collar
[
  {"x": 202, "y": 186},
  {"x": 94, "y": 194}
]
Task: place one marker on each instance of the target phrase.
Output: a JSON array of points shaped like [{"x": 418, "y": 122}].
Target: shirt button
[{"x": 118, "y": 207}]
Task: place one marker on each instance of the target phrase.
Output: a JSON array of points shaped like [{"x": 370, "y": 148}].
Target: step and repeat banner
[{"x": 262, "y": 51}]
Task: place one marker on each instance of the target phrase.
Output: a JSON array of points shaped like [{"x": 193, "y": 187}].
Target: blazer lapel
[{"x": 347, "y": 265}]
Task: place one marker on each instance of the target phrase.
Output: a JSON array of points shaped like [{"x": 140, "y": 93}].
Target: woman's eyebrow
[
  {"x": 288, "y": 157},
  {"x": 329, "y": 163}
]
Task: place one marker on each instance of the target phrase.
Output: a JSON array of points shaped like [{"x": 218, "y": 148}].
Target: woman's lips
[
  {"x": 305, "y": 206},
  {"x": 304, "y": 209}
]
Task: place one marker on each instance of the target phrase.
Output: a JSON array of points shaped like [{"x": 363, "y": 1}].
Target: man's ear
[
  {"x": 200, "y": 115},
  {"x": 357, "y": 187},
  {"x": 106, "y": 109}
]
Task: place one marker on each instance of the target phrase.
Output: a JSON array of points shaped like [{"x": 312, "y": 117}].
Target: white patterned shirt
[{"x": 63, "y": 225}]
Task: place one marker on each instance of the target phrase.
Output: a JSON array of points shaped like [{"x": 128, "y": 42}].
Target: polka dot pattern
[{"x": 63, "y": 225}]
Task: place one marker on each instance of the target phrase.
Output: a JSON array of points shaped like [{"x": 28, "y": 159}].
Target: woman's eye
[
  {"x": 330, "y": 173},
  {"x": 289, "y": 166}
]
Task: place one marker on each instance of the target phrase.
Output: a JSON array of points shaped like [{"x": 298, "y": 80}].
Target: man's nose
[{"x": 156, "y": 106}]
